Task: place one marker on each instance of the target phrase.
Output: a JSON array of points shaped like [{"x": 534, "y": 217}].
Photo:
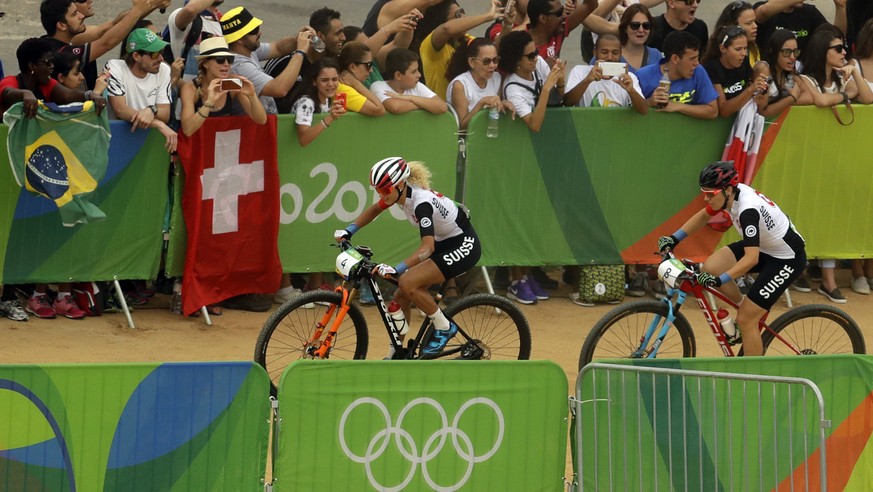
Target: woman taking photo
[
  {"x": 732, "y": 76},
  {"x": 203, "y": 98},
  {"x": 474, "y": 80},
  {"x": 356, "y": 62}
]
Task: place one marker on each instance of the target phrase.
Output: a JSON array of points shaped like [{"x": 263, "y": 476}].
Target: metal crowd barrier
[{"x": 648, "y": 428}]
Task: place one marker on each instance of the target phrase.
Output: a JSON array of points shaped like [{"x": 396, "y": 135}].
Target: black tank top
[{"x": 222, "y": 111}]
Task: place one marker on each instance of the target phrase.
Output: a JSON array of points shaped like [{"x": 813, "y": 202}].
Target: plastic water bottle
[
  {"x": 665, "y": 83},
  {"x": 317, "y": 44},
  {"x": 176, "y": 302},
  {"x": 493, "y": 119},
  {"x": 396, "y": 314},
  {"x": 727, "y": 324}
]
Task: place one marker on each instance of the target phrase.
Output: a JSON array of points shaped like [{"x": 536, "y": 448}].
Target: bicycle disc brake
[{"x": 475, "y": 350}]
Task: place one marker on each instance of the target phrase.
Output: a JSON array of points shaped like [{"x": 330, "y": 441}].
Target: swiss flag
[{"x": 231, "y": 209}]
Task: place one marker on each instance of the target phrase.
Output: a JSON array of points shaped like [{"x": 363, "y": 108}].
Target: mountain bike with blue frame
[
  {"x": 489, "y": 326},
  {"x": 649, "y": 329}
]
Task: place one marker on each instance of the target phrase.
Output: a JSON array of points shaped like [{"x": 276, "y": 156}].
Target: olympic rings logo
[{"x": 433, "y": 445}]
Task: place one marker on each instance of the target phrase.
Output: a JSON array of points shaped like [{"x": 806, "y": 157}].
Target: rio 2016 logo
[
  {"x": 419, "y": 452},
  {"x": 321, "y": 208}
]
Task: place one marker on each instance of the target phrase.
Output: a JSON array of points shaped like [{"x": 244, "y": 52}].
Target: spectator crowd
[{"x": 418, "y": 55}]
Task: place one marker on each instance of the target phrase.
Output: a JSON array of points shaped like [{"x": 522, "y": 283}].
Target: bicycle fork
[
  {"x": 650, "y": 353},
  {"x": 318, "y": 348}
]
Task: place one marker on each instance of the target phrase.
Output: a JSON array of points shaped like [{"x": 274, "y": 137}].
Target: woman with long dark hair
[
  {"x": 735, "y": 14},
  {"x": 634, "y": 30},
  {"x": 731, "y": 75},
  {"x": 474, "y": 80},
  {"x": 317, "y": 95},
  {"x": 785, "y": 89}
]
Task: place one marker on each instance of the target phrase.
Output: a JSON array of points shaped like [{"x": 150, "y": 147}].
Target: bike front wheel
[
  {"x": 813, "y": 329},
  {"x": 289, "y": 333},
  {"x": 620, "y": 332},
  {"x": 490, "y": 327}
]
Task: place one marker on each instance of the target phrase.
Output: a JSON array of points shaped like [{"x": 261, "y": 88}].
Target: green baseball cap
[{"x": 143, "y": 39}]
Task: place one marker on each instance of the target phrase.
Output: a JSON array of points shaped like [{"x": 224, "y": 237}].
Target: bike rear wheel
[
  {"x": 814, "y": 329},
  {"x": 288, "y": 333},
  {"x": 490, "y": 327},
  {"x": 620, "y": 332}
]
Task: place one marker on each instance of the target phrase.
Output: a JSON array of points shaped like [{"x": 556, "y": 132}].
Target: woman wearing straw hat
[{"x": 203, "y": 96}]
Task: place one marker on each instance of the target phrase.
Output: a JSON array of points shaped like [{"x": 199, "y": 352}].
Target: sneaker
[
  {"x": 501, "y": 278},
  {"x": 365, "y": 297},
  {"x": 861, "y": 286},
  {"x": 834, "y": 295},
  {"x": 41, "y": 307},
  {"x": 13, "y": 310},
  {"x": 658, "y": 290},
  {"x": 520, "y": 291},
  {"x": 287, "y": 296},
  {"x": 577, "y": 299},
  {"x": 540, "y": 293},
  {"x": 66, "y": 307},
  {"x": 637, "y": 286},
  {"x": 542, "y": 278},
  {"x": 438, "y": 340},
  {"x": 802, "y": 284}
]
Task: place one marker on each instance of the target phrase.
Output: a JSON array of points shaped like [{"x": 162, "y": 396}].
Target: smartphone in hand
[
  {"x": 341, "y": 97},
  {"x": 230, "y": 85}
]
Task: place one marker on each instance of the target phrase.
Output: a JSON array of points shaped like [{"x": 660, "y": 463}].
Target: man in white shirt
[
  {"x": 139, "y": 85},
  {"x": 588, "y": 86},
  {"x": 403, "y": 92},
  {"x": 199, "y": 20}
]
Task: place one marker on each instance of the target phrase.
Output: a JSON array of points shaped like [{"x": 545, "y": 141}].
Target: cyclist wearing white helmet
[
  {"x": 449, "y": 245},
  {"x": 770, "y": 246}
]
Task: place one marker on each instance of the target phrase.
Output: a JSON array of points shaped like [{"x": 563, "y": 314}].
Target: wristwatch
[{"x": 154, "y": 109}]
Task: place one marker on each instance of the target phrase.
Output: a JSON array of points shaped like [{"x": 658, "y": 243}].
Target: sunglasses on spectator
[
  {"x": 221, "y": 60},
  {"x": 647, "y": 26},
  {"x": 691, "y": 2},
  {"x": 531, "y": 56},
  {"x": 460, "y": 13},
  {"x": 154, "y": 56},
  {"x": 740, "y": 5},
  {"x": 733, "y": 32},
  {"x": 557, "y": 13},
  {"x": 489, "y": 61},
  {"x": 368, "y": 64},
  {"x": 786, "y": 52},
  {"x": 255, "y": 32},
  {"x": 839, "y": 48}
]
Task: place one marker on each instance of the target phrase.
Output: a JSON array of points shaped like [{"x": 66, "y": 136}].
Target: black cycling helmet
[{"x": 719, "y": 174}]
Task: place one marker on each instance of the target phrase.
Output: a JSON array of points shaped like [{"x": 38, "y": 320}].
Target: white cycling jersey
[
  {"x": 434, "y": 213},
  {"x": 762, "y": 223}
]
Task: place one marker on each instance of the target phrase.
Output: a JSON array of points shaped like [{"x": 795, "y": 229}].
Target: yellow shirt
[
  {"x": 354, "y": 100},
  {"x": 434, "y": 64}
]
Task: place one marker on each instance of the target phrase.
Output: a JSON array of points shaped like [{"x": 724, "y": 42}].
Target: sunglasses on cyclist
[
  {"x": 710, "y": 193},
  {"x": 647, "y": 26},
  {"x": 531, "y": 56},
  {"x": 153, "y": 56},
  {"x": 839, "y": 48},
  {"x": 489, "y": 61},
  {"x": 221, "y": 60},
  {"x": 788, "y": 52}
]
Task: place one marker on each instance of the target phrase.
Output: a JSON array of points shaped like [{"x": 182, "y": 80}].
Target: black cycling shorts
[
  {"x": 774, "y": 275},
  {"x": 456, "y": 255}
]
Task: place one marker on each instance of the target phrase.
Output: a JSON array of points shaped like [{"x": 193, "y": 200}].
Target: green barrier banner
[
  {"x": 592, "y": 186},
  {"x": 846, "y": 384},
  {"x": 421, "y": 425},
  {"x": 819, "y": 173},
  {"x": 174, "y": 427},
  {"x": 326, "y": 184},
  {"x": 127, "y": 244}
]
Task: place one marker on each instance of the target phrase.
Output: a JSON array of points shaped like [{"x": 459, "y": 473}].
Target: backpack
[
  {"x": 190, "y": 40},
  {"x": 601, "y": 283}
]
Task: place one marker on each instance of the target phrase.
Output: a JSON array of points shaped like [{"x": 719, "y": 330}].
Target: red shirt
[
  {"x": 552, "y": 47},
  {"x": 11, "y": 82}
]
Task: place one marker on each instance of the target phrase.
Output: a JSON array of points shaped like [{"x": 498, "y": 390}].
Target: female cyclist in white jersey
[
  {"x": 449, "y": 245},
  {"x": 770, "y": 246}
]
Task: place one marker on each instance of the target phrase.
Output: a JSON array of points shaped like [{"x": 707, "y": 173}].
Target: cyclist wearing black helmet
[
  {"x": 770, "y": 246},
  {"x": 449, "y": 245}
]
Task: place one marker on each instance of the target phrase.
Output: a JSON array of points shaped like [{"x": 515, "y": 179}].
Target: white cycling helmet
[{"x": 388, "y": 173}]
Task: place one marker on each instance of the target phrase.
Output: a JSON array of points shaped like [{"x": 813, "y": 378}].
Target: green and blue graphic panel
[
  {"x": 421, "y": 425},
  {"x": 721, "y": 426},
  {"x": 173, "y": 426}
]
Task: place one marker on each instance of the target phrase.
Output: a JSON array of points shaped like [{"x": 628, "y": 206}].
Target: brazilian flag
[{"x": 61, "y": 155}]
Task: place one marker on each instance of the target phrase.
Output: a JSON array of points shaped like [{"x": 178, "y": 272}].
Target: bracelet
[
  {"x": 323, "y": 122},
  {"x": 88, "y": 94},
  {"x": 792, "y": 97},
  {"x": 208, "y": 106},
  {"x": 845, "y": 97},
  {"x": 303, "y": 53},
  {"x": 201, "y": 114}
]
